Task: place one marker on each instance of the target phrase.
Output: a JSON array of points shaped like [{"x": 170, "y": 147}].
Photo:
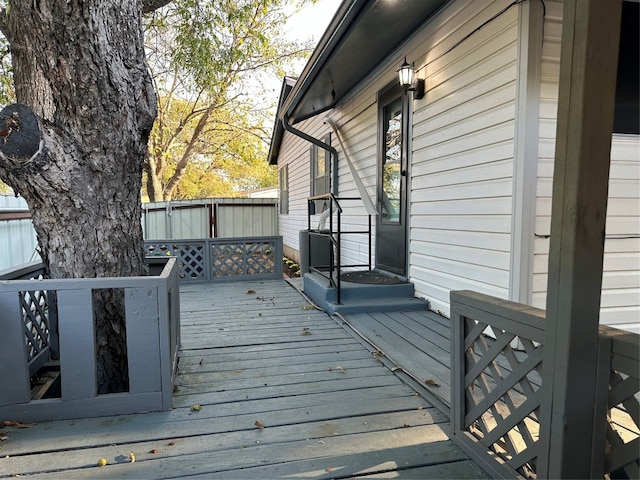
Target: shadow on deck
[{"x": 283, "y": 390}]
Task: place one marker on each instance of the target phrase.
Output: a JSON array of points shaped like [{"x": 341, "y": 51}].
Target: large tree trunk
[{"x": 80, "y": 66}]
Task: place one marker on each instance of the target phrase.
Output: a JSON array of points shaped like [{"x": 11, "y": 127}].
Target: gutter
[{"x": 339, "y": 26}]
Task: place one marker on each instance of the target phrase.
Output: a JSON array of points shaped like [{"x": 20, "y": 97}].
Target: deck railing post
[
  {"x": 338, "y": 256},
  {"x": 600, "y": 407},
  {"x": 14, "y": 366},
  {"x": 588, "y": 66},
  {"x": 52, "y": 314},
  {"x": 457, "y": 368}
]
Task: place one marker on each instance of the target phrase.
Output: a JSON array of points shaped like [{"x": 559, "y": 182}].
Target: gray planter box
[{"x": 63, "y": 324}]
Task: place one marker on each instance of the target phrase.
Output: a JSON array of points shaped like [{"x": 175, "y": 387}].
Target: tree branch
[
  {"x": 149, "y": 6},
  {"x": 3, "y": 22}
]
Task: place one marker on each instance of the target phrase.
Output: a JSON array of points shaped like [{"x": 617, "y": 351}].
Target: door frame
[{"x": 390, "y": 229}]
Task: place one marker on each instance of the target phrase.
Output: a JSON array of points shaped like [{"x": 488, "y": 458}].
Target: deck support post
[{"x": 588, "y": 66}]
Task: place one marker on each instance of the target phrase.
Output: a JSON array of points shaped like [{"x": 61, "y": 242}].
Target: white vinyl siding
[
  {"x": 462, "y": 165},
  {"x": 294, "y": 153},
  {"x": 620, "y": 301}
]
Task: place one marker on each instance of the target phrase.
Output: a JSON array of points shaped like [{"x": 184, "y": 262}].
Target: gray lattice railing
[
  {"x": 218, "y": 259},
  {"x": 152, "y": 317},
  {"x": 619, "y": 390},
  {"x": 496, "y": 363},
  {"x": 38, "y": 317},
  {"x": 497, "y": 389}
]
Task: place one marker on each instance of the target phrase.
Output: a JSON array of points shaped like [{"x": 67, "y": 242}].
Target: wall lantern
[{"x": 410, "y": 81}]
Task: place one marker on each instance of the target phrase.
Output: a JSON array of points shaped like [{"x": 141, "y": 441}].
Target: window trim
[{"x": 283, "y": 185}]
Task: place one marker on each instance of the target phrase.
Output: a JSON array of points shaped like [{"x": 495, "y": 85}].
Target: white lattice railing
[
  {"x": 222, "y": 259},
  {"x": 497, "y": 386}
]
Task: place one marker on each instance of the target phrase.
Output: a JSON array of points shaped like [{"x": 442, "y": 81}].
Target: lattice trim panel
[
  {"x": 221, "y": 259},
  {"x": 243, "y": 259},
  {"x": 502, "y": 394},
  {"x": 191, "y": 257},
  {"x": 35, "y": 316}
]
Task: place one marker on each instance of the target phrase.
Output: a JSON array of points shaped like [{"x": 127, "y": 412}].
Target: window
[
  {"x": 320, "y": 161},
  {"x": 627, "y": 109},
  {"x": 283, "y": 183},
  {"x": 393, "y": 138}
]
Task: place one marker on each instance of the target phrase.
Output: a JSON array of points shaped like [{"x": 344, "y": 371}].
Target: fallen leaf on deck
[
  {"x": 259, "y": 424},
  {"x": 201, "y": 360},
  {"x": 171, "y": 444},
  {"x": 250, "y": 292},
  {"x": 431, "y": 382},
  {"x": 406, "y": 425},
  {"x": 132, "y": 457},
  {"x": 196, "y": 407},
  {"x": 328, "y": 469},
  {"x": 341, "y": 369},
  {"x": 307, "y": 307},
  {"x": 102, "y": 462},
  {"x": 153, "y": 450},
  {"x": 305, "y": 332},
  {"x": 9, "y": 423}
]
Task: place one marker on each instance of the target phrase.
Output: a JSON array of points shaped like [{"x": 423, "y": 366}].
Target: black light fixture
[{"x": 409, "y": 80}]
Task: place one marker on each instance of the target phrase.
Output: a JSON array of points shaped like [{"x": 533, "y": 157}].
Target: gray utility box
[{"x": 315, "y": 250}]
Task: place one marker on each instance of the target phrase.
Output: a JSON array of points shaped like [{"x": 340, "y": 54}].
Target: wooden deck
[
  {"x": 416, "y": 342},
  {"x": 255, "y": 355}
]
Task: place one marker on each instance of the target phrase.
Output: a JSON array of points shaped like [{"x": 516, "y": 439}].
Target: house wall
[
  {"x": 294, "y": 152},
  {"x": 466, "y": 147},
  {"x": 461, "y": 169},
  {"x": 460, "y": 189},
  {"x": 463, "y": 148},
  {"x": 620, "y": 301}
]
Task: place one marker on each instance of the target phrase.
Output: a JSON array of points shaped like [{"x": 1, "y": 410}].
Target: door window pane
[{"x": 392, "y": 162}]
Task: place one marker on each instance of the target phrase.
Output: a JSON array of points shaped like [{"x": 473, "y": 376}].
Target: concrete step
[{"x": 361, "y": 298}]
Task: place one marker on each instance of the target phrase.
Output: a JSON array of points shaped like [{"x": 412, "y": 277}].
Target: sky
[
  {"x": 309, "y": 24},
  {"x": 312, "y": 21}
]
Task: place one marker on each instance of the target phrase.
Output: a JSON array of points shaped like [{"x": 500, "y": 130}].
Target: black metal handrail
[{"x": 335, "y": 239}]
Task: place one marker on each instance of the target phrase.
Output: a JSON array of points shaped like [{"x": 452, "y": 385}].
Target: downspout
[{"x": 334, "y": 162}]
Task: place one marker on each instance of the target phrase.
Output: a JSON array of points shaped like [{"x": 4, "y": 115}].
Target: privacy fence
[
  {"x": 210, "y": 218},
  {"x": 205, "y": 218}
]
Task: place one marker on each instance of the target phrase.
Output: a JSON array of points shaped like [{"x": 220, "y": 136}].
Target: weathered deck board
[
  {"x": 329, "y": 408},
  {"x": 418, "y": 342}
]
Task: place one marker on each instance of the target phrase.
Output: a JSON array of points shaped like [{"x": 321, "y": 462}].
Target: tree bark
[{"x": 79, "y": 65}]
